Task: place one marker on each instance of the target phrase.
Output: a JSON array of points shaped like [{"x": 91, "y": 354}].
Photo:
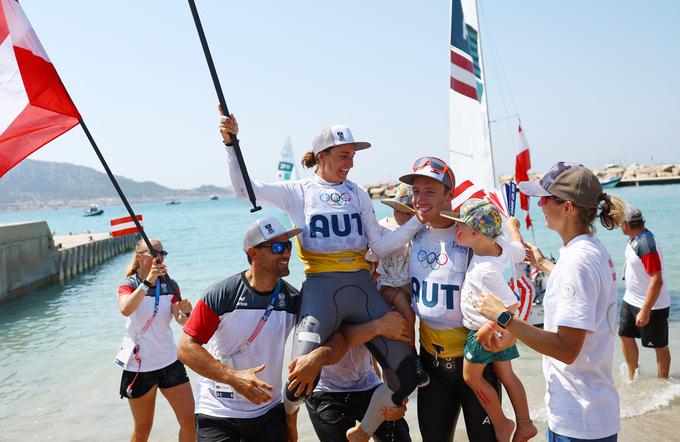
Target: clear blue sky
[{"x": 594, "y": 81}]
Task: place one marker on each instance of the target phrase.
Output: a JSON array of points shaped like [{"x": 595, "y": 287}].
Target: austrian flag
[
  {"x": 124, "y": 226},
  {"x": 34, "y": 105}
]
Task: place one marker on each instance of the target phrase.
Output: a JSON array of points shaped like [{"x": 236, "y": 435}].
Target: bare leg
[
  {"x": 488, "y": 397},
  {"x": 631, "y": 354},
  {"x": 181, "y": 400},
  {"x": 142, "y": 413},
  {"x": 402, "y": 304},
  {"x": 518, "y": 397},
  {"x": 663, "y": 361}
]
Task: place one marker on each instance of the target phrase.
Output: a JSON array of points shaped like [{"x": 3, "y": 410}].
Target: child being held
[
  {"x": 480, "y": 227},
  {"x": 394, "y": 283}
]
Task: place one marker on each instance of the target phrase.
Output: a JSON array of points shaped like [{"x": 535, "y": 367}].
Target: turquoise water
[{"x": 57, "y": 379}]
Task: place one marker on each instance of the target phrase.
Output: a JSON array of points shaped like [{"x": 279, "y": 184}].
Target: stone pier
[{"x": 30, "y": 257}]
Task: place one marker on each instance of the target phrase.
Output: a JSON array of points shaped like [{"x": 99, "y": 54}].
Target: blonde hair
[
  {"x": 140, "y": 247},
  {"x": 611, "y": 214}
]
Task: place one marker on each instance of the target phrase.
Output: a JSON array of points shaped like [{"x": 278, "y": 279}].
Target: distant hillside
[{"x": 36, "y": 184}]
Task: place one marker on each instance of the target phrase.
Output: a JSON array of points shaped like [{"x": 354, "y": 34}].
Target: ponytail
[
  {"x": 309, "y": 160},
  {"x": 611, "y": 211}
]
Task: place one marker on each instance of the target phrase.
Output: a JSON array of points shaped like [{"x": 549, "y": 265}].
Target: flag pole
[
  {"x": 223, "y": 104},
  {"x": 152, "y": 250}
]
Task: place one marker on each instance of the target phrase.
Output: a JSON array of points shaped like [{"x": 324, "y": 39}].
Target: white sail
[
  {"x": 470, "y": 154},
  {"x": 286, "y": 166}
]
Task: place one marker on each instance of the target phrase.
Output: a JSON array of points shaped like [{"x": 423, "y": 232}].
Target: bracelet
[
  {"x": 147, "y": 284},
  {"x": 227, "y": 144}
]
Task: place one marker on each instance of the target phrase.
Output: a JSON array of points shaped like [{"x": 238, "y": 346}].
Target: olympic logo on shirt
[
  {"x": 432, "y": 260},
  {"x": 335, "y": 199}
]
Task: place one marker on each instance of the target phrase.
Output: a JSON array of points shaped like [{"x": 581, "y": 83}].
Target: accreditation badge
[
  {"x": 125, "y": 352},
  {"x": 225, "y": 391}
]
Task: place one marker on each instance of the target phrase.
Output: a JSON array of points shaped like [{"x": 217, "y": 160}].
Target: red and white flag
[
  {"x": 469, "y": 190},
  {"x": 522, "y": 166},
  {"x": 34, "y": 105},
  {"x": 124, "y": 226},
  {"x": 525, "y": 291}
]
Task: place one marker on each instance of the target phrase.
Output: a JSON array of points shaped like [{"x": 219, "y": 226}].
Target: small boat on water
[
  {"x": 214, "y": 197},
  {"x": 172, "y": 203},
  {"x": 93, "y": 210},
  {"x": 610, "y": 182}
]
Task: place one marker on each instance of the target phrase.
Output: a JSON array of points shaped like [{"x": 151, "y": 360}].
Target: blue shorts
[
  {"x": 476, "y": 354},
  {"x": 554, "y": 437}
]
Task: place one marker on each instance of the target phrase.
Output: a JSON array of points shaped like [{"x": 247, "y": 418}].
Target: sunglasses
[
  {"x": 162, "y": 253},
  {"x": 277, "y": 247},
  {"x": 544, "y": 200},
  {"x": 435, "y": 164}
]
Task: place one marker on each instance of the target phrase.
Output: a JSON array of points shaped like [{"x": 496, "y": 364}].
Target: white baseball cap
[
  {"x": 336, "y": 135},
  {"x": 265, "y": 229}
]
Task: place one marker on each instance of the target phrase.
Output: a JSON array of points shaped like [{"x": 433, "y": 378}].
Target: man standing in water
[
  {"x": 437, "y": 266},
  {"x": 646, "y": 303},
  {"x": 245, "y": 320}
]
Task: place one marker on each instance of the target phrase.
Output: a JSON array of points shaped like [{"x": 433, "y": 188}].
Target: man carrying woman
[{"x": 339, "y": 225}]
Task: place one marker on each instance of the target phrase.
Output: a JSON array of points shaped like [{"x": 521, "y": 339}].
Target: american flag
[{"x": 463, "y": 78}]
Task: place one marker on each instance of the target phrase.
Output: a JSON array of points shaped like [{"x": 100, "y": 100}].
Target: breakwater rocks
[
  {"x": 30, "y": 257},
  {"x": 633, "y": 175}
]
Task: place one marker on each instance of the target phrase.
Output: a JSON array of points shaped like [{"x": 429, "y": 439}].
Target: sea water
[{"x": 57, "y": 344}]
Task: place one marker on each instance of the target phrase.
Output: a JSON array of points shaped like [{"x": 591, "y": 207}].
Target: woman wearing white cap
[
  {"x": 577, "y": 340},
  {"x": 339, "y": 225}
]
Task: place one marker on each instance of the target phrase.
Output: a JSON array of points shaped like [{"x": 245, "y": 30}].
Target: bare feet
[
  {"x": 291, "y": 426},
  {"x": 525, "y": 430},
  {"x": 504, "y": 432},
  {"x": 356, "y": 434}
]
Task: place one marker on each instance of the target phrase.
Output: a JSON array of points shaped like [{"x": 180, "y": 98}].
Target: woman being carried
[{"x": 339, "y": 225}]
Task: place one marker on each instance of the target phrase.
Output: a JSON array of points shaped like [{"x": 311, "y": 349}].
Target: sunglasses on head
[
  {"x": 544, "y": 200},
  {"x": 276, "y": 247},
  {"x": 435, "y": 164}
]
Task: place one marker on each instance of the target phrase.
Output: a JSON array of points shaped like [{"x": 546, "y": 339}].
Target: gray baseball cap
[
  {"x": 336, "y": 135},
  {"x": 567, "y": 181},
  {"x": 265, "y": 229},
  {"x": 632, "y": 214}
]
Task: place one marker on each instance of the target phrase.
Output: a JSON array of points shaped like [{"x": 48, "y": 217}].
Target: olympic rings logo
[
  {"x": 335, "y": 199},
  {"x": 431, "y": 259}
]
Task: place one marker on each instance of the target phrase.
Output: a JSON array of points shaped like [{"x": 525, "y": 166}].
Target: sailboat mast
[{"x": 486, "y": 95}]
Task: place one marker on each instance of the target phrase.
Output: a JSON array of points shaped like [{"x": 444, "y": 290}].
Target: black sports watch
[
  {"x": 146, "y": 283},
  {"x": 503, "y": 319}
]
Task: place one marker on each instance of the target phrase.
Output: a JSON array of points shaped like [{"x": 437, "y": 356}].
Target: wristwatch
[
  {"x": 146, "y": 283},
  {"x": 504, "y": 318}
]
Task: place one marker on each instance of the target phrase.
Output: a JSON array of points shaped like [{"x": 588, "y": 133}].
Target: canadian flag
[
  {"x": 124, "y": 226},
  {"x": 34, "y": 105}
]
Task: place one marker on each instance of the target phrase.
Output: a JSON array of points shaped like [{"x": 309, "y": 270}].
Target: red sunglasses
[
  {"x": 435, "y": 164},
  {"x": 544, "y": 200}
]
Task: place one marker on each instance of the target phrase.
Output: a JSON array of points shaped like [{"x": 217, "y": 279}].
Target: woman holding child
[{"x": 577, "y": 340}]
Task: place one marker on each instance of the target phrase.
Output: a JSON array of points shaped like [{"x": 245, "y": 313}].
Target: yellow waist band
[
  {"x": 348, "y": 261},
  {"x": 452, "y": 341}
]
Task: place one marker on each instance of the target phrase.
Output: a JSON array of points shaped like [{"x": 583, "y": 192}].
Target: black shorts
[
  {"x": 652, "y": 335},
  {"x": 171, "y": 376},
  {"x": 270, "y": 427},
  {"x": 332, "y": 414}
]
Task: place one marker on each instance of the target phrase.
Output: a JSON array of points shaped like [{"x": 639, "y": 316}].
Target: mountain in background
[{"x": 37, "y": 184}]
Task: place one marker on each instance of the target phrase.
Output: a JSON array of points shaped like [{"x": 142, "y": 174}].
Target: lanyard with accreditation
[{"x": 225, "y": 391}]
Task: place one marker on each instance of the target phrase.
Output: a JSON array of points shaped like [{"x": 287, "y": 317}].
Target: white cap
[
  {"x": 336, "y": 135},
  {"x": 265, "y": 229}
]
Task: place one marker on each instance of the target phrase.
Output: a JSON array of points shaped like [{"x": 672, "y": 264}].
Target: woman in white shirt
[{"x": 577, "y": 340}]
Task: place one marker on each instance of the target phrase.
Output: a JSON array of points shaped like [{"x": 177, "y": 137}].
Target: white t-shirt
[
  {"x": 393, "y": 268},
  {"x": 644, "y": 255},
  {"x": 354, "y": 372},
  {"x": 485, "y": 273},
  {"x": 156, "y": 346},
  {"x": 335, "y": 217},
  {"x": 581, "y": 398}
]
